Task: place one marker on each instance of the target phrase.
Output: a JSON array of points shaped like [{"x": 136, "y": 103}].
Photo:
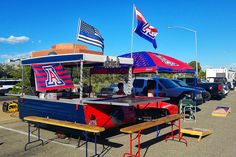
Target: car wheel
[
  {"x": 233, "y": 88},
  {"x": 207, "y": 96}
]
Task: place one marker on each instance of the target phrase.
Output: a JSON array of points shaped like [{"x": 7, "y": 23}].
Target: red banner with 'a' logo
[{"x": 51, "y": 77}]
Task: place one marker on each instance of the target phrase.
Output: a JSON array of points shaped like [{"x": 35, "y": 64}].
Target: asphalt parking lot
[{"x": 13, "y": 137}]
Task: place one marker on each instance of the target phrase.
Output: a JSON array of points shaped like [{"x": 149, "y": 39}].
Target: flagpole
[
  {"x": 78, "y": 30},
  {"x": 131, "y": 56},
  {"x": 132, "y": 35}
]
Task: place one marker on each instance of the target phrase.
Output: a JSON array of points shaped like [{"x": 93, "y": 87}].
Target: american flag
[{"x": 90, "y": 35}]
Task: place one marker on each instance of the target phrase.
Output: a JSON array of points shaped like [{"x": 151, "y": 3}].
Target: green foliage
[
  {"x": 101, "y": 81},
  {"x": 97, "y": 81},
  {"x": 17, "y": 74},
  {"x": 10, "y": 71},
  {"x": 76, "y": 81},
  {"x": 26, "y": 80},
  {"x": 202, "y": 75},
  {"x": 166, "y": 75},
  {"x": 193, "y": 64},
  {"x": 16, "y": 89}
]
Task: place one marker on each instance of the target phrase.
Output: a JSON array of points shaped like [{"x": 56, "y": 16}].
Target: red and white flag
[{"x": 144, "y": 29}]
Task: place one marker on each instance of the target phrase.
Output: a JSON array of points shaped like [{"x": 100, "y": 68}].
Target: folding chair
[{"x": 188, "y": 107}]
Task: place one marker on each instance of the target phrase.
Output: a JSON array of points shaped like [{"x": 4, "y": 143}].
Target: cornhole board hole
[
  {"x": 196, "y": 132},
  {"x": 221, "y": 111}
]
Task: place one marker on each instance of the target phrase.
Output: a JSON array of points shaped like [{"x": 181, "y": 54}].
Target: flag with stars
[{"x": 90, "y": 35}]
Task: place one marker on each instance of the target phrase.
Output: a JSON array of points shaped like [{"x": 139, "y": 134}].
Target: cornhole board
[
  {"x": 221, "y": 111},
  {"x": 196, "y": 132}
]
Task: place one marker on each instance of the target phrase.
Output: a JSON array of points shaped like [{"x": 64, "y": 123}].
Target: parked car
[
  {"x": 227, "y": 85},
  {"x": 224, "y": 74},
  {"x": 183, "y": 84},
  {"x": 166, "y": 88},
  {"x": 234, "y": 82},
  {"x": 111, "y": 90},
  {"x": 204, "y": 81},
  {"x": 7, "y": 85},
  {"x": 213, "y": 89},
  {"x": 106, "y": 92},
  {"x": 115, "y": 87},
  {"x": 226, "y": 88}
]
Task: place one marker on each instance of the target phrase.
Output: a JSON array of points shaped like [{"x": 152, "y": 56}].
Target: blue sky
[{"x": 37, "y": 24}]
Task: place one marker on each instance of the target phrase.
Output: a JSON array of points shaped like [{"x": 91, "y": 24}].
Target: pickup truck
[
  {"x": 227, "y": 85},
  {"x": 214, "y": 90},
  {"x": 166, "y": 88}
]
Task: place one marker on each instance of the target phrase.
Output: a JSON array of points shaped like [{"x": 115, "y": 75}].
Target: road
[{"x": 13, "y": 137}]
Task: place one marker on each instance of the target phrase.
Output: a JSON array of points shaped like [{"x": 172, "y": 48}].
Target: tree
[
  {"x": 17, "y": 74},
  {"x": 202, "y": 75},
  {"x": 193, "y": 64},
  {"x": 10, "y": 71}
]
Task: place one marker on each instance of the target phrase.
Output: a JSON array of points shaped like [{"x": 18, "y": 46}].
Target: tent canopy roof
[
  {"x": 91, "y": 59},
  {"x": 150, "y": 62}
]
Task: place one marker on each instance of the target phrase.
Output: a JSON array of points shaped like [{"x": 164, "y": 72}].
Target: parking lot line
[{"x": 26, "y": 134}]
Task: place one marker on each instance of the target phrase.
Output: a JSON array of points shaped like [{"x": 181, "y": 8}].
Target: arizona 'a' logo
[{"x": 53, "y": 78}]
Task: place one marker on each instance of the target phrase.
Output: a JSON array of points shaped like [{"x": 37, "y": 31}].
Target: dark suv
[{"x": 200, "y": 89}]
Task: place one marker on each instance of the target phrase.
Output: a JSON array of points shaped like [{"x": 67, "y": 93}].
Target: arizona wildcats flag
[
  {"x": 144, "y": 29},
  {"x": 51, "y": 77},
  {"x": 90, "y": 35}
]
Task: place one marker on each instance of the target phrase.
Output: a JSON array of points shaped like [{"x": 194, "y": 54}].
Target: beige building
[{"x": 64, "y": 49}]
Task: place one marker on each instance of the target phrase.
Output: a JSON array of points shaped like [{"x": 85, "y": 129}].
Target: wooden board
[
  {"x": 221, "y": 111},
  {"x": 71, "y": 125},
  {"x": 196, "y": 131},
  {"x": 146, "y": 125}
]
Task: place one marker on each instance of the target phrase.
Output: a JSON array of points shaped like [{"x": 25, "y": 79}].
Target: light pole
[{"x": 195, "y": 36}]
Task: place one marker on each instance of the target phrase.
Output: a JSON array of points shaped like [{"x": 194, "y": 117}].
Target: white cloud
[{"x": 14, "y": 40}]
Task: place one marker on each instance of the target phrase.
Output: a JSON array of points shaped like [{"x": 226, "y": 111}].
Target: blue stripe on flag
[
  {"x": 91, "y": 41},
  {"x": 90, "y": 35}
]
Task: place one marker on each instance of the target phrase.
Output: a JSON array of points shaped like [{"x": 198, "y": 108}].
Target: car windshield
[
  {"x": 9, "y": 82},
  {"x": 181, "y": 83},
  {"x": 138, "y": 83},
  {"x": 107, "y": 91},
  {"x": 205, "y": 81},
  {"x": 219, "y": 80},
  {"x": 113, "y": 86},
  {"x": 168, "y": 83}
]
